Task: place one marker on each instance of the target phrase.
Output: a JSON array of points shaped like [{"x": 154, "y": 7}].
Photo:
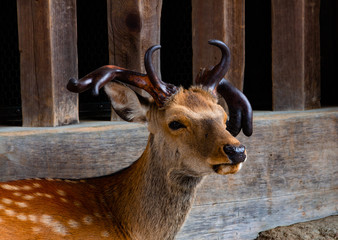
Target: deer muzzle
[{"x": 236, "y": 154}]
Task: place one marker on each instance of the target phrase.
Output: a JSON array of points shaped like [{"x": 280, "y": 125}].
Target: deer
[{"x": 190, "y": 137}]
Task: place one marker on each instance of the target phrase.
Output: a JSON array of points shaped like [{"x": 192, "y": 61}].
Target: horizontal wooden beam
[{"x": 289, "y": 175}]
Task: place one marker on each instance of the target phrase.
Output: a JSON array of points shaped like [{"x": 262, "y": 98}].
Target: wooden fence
[
  {"x": 291, "y": 173},
  {"x": 48, "y": 49}
]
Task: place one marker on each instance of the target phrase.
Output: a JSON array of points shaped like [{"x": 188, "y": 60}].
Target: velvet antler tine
[
  {"x": 148, "y": 64},
  {"x": 219, "y": 71},
  {"x": 94, "y": 80},
  {"x": 210, "y": 78},
  {"x": 149, "y": 82},
  {"x": 240, "y": 110},
  {"x": 164, "y": 90}
]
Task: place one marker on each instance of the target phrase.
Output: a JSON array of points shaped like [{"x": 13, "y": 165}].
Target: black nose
[{"x": 235, "y": 153}]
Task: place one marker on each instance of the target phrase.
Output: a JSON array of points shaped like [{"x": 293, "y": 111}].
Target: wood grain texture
[
  {"x": 48, "y": 58},
  {"x": 290, "y": 174},
  {"x": 133, "y": 27},
  {"x": 70, "y": 152},
  {"x": 64, "y": 60},
  {"x": 295, "y": 54},
  {"x": 225, "y": 21}
]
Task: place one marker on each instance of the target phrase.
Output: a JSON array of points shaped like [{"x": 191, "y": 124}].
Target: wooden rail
[{"x": 48, "y": 49}]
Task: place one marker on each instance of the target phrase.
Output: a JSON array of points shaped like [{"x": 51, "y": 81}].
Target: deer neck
[{"x": 150, "y": 199}]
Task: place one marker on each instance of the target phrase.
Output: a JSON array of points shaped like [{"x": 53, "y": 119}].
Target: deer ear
[{"x": 127, "y": 103}]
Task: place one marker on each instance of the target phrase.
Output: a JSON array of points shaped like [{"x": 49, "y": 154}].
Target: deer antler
[
  {"x": 240, "y": 110},
  {"x": 149, "y": 82},
  {"x": 211, "y": 77}
]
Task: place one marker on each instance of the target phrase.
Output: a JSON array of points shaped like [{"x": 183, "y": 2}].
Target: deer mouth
[{"x": 227, "y": 168}]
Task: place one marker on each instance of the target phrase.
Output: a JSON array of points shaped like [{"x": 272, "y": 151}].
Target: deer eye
[{"x": 175, "y": 125}]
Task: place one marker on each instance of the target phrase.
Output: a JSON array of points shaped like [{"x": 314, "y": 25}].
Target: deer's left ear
[{"x": 127, "y": 103}]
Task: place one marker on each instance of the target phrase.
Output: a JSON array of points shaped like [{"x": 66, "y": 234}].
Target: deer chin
[{"x": 227, "y": 168}]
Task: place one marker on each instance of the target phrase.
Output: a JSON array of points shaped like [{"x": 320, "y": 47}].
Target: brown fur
[{"x": 148, "y": 200}]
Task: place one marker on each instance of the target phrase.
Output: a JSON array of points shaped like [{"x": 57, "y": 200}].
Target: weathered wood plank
[
  {"x": 222, "y": 20},
  {"x": 133, "y": 27},
  {"x": 289, "y": 175},
  {"x": 48, "y": 58},
  {"x": 244, "y": 219},
  {"x": 295, "y": 54},
  {"x": 89, "y": 150},
  {"x": 64, "y": 60}
]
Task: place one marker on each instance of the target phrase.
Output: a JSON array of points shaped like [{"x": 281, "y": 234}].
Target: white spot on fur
[
  {"x": 97, "y": 215},
  {"x": 46, "y": 219},
  {"x": 104, "y": 234},
  {"x": 26, "y": 188},
  {"x": 48, "y": 195},
  {"x": 56, "y": 226},
  {"x": 61, "y": 192},
  {"x": 77, "y": 203},
  {"x": 32, "y": 218},
  {"x": 73, "y": 224},
  {"x": 10, "y": 187},
  {"x": 87, "y": 220},
  {"x": 50, "y": 179},
  {"x": 36, "y": 185},
  {"x": 2, "y": 206},
  {"x": 21, "y": 217},
  {"x": 7, "y": 201},
  {"x": 18, "y": 194},
  {"x": 38, "y": 179},
  {"x": 28, "y": 197},
  {"x": 21, "y": 204},
  {"x": 36, "y": 230},
  {"x": 64, "y": 200},
  {"x": 9, "y": 212}
]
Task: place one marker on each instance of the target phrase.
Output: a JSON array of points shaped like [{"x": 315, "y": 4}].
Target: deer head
[
  {"x": 190, "y": 137},
  {"x": 187, "y": 124}
]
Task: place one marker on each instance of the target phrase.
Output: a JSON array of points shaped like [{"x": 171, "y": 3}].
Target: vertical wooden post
[
  {"x": 48, "y": 58},
  {"x": 223, "y": 20},
  {"x": 295, "y": 54},
  {"x": 133, "y": 27}
]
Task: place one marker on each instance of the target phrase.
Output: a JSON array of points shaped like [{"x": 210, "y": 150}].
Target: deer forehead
[{"x": 194, "y": 103}]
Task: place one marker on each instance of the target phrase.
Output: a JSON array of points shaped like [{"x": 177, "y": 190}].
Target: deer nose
[{"x": 236, "y": 154}]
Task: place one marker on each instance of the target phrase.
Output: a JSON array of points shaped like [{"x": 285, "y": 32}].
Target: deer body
[
  {"x": 150, "y": 199},
  {"x": 129, "y": 204}
]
